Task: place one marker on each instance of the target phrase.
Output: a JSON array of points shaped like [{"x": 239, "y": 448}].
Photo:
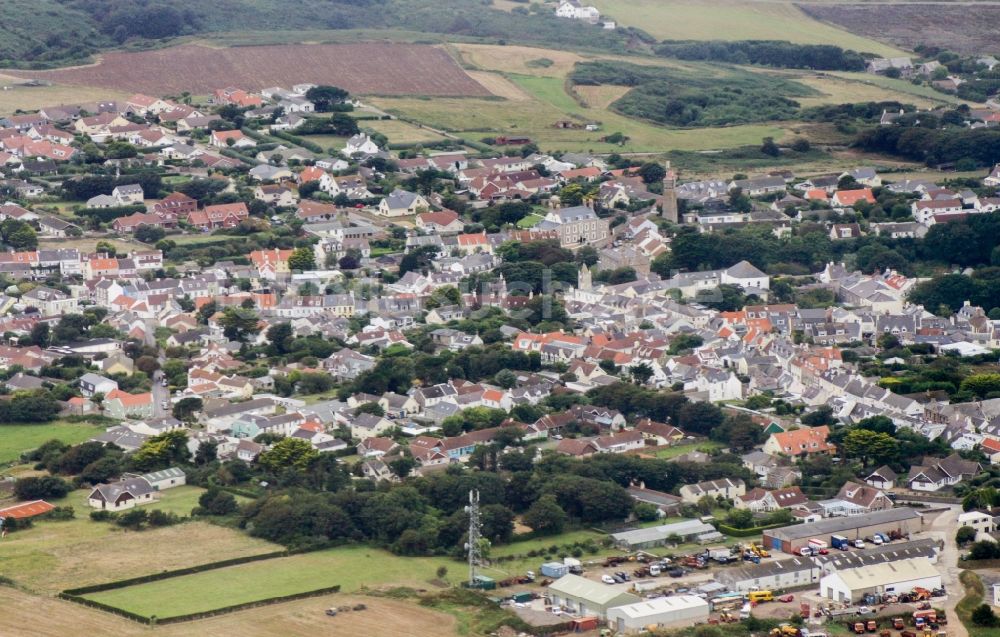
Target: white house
[
  {"x": 401, "y": 203},
  {"x": 360, "y": 144},
  {"x": 981, "y": 522},
  {"x": 121, "y": 495}
]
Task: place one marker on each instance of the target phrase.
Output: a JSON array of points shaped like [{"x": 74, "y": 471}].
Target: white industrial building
[
  {"x": 850, "y": 585},
  {"x": 581, "y": 596},
  {"x": 663, "y": 612},
  {"x": 772, "y": 575}
]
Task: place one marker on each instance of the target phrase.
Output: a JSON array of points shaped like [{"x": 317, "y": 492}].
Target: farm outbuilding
[
  {"x": 789, "y": 538},
  {"x": 581, "y": 596},
  {"x": 166, "y": 479},
  {"x": 663, "y": 612},
  {"x": 850, "y": 585}
]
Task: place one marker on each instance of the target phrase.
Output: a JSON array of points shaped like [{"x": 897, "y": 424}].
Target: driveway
[{"x": 944, "y": 528}]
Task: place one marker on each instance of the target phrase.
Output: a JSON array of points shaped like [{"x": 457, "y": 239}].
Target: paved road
[
  {"x": 160, "y": 394},
  {"x": 943, "y": 528}
]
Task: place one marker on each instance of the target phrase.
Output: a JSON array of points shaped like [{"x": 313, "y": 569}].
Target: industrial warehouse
[
  {"x": 662, "y": 612},
  {"x": 898, "y": 522},
  {"x": 582, "y": 596},
  {"x": 852, "y": 584}
]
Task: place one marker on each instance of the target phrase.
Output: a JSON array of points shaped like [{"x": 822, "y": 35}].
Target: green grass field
[
  {"x": 477, "y": 118},
  {"x": 350, "y": 567},
  {"x": 733, "y": 20},
  {"x": 54, "y": 555},
  {"x": 16, "y": 439}
]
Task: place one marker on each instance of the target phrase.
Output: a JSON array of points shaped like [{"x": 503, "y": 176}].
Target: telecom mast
[{"x": 474, "y": 544}]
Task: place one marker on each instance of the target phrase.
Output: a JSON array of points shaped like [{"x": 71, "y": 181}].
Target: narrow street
[
  {"x": 943, "y": 527},
  {"x": 160, "y": 394}
]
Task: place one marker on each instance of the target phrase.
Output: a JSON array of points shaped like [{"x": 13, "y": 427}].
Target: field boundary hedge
[
  {"x": 77, "y": 594},
  {"x": 755, "y": 530},
  {"x": 199, "y": 568},
  {"x": 153, "y": 620},
  {"x": 190, "y": 570}
]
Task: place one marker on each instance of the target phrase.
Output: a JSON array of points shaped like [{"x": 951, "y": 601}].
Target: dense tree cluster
[
  {"x": 979, "y": 147},
  {"x": 668, "y": 96},
  {"x": 774, "y": 53}
]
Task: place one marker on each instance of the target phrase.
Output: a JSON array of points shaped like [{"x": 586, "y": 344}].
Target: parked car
[{"x": 607, "y": 579}]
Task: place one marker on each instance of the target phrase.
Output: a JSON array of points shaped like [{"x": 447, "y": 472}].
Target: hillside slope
[{"x": 46, "y": 33}]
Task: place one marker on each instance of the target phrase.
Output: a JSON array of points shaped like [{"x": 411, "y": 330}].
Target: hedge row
[
  {"x": 235, "y": 607},
  {"x": 298, "y": 141},
  {"x": 756, "y": 530},
  {"x": 232, "y": 154},
  {"x": 150, "y": 621},
  {"x": 142, "y": 619}
]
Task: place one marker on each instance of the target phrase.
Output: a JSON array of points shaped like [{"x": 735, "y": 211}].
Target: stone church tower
[
  {"x": 669, "y": 205},
  {"x": 584, "y": 278}
]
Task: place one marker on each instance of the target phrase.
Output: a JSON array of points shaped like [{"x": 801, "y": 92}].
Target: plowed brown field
[{"x": 372, "y": 68}]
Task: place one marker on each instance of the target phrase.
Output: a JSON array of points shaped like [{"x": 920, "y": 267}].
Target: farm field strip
[
  {"x": 366, "y": 68},
  {"x": 734, "y": 20},
  {"x": 349, "y": 567}
]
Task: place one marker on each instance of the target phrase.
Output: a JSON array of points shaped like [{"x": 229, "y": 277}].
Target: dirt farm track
[{"x": 372, "y": 68}]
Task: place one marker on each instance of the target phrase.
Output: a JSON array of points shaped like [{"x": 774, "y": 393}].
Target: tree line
[{"x": 776, "y": 53}]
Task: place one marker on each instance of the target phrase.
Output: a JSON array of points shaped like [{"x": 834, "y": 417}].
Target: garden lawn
[
  {"x": 349, "y": 567},
  {"x": 16, "y": 439},
  {"x": 706, "y": 446},
  {"x": 530, "y": 221}
]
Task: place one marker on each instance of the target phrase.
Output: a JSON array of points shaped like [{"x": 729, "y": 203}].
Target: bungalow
[
  {"x": 233, "y": 138},
  {"x": 848, "y": 198},
  {"x": 856, "y": 499},
  {"x": 882, "y": 478},
  {"x": 725, "y": 488},
  {"x": 443, "y": 222},
  {"x": 935, "y": 474},
  {"x": 991, "y": 449},
  {"x": 659, "y": 433},
  {"x": 760, "y": 500},
  {"x": 121, "y": 495},
  {"x": 377, "y": 446}
]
